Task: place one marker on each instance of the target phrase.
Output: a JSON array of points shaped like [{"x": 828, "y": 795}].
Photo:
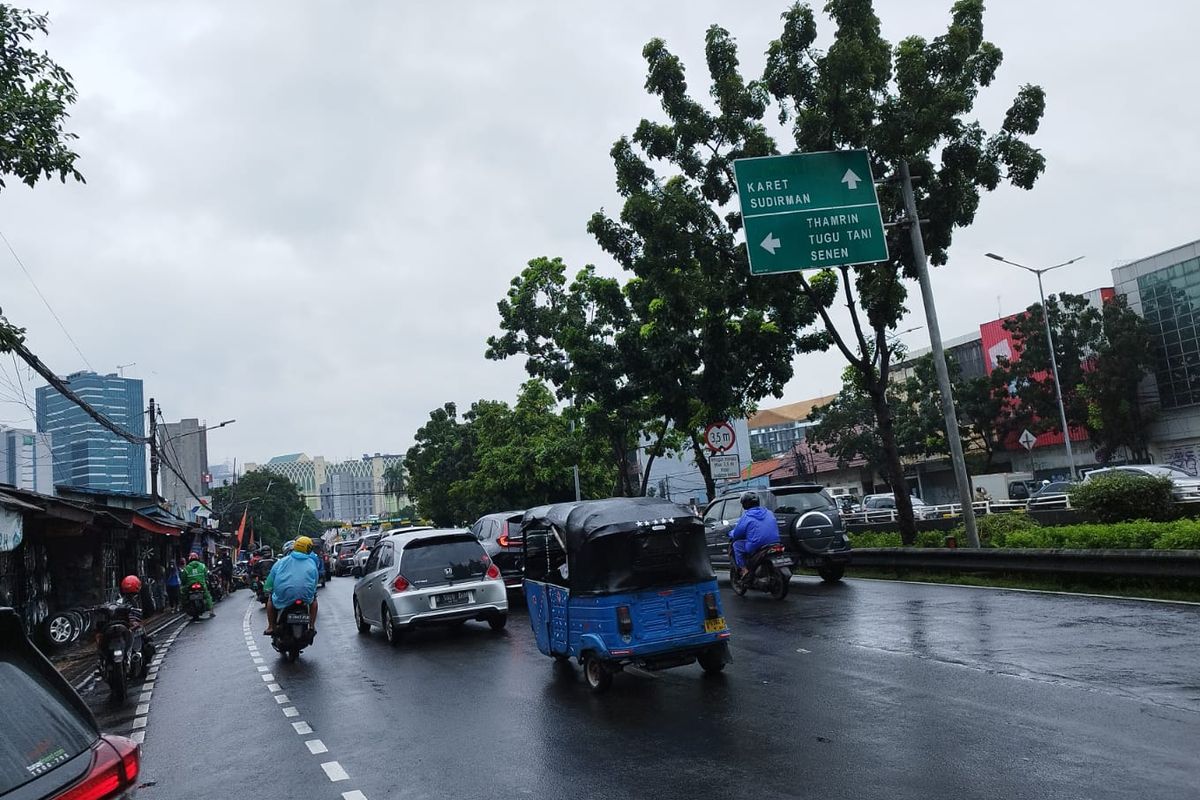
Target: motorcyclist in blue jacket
[{"x": 756, "y": 529}]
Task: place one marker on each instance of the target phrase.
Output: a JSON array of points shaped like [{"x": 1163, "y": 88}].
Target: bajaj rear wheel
[
  {"x": 712, "y": 661},
  {"x": 597, "y": 674}
]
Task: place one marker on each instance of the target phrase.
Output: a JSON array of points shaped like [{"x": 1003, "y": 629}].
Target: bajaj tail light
[
  {"x": 624, "y": 621},
  {"x": 401, "y": 584},
  {"x": 115, "y": 765},
  {"x": 710, "y": 606}
]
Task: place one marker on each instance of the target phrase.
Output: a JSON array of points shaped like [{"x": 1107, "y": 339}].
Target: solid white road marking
[
  {"x": 302, "y": 728},
  {"x": 355, "y": 795},
  {"x": 335, "y": 772},
  {"x": 316, "y": 746},
  {"x": 291, "y": 711}
]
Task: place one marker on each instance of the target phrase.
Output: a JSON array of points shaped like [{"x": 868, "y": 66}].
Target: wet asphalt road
[{"x": 860, "y": 690}]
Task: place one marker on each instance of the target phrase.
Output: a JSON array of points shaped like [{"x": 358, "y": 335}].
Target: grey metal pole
[
  {"x": 575, "y": 467},
  {"x": 1062, "y": 409},
  {"x": 939, "y": 359}
]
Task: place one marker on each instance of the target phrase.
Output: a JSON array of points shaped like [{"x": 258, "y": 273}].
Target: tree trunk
[
  {"x": 710, "y": 486},
  {"x": 646, "y": 475},
  {"x": 887, "y": 436}
]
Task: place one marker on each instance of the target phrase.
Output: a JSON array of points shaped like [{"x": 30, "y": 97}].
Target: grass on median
[
  {"x": 1185, "y": 590},
  {"x": 1017, "y": 529}
]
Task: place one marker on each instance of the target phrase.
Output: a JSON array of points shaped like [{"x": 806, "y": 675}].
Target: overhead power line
[{"x": 21, "y": 264}]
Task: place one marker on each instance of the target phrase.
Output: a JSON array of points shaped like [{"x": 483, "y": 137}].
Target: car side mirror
[{"x": 356, "y": 571}]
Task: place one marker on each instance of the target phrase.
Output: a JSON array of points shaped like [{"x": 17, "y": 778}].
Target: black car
[
  {"x": 500, "y": 535},
  {"x": 810, "y": 527},
  {"x": 1051, "y": 495},
  {"x": 52, "y": 746},
  {"x": 343, "y": 557}
]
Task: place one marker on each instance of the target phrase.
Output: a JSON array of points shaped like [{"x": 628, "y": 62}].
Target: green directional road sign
[{"x": 810, "y": 211}]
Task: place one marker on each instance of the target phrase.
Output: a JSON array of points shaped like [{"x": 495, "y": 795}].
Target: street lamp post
[{"x": 1062, "y": 409}]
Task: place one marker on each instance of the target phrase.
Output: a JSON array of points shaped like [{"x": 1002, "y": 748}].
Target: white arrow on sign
[
  {"x": 1027, "y": 440},
  {"x": 770, "y": 243},
  {"x": 851, "y": 180}
]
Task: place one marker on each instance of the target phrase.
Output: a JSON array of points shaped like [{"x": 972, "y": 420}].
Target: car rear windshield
[
  {"x": 434, "y": 561},
  {"x": 799, "y": 502},
  {"x": 347, "y": 547},
  {"x": 46, "y": 732}
]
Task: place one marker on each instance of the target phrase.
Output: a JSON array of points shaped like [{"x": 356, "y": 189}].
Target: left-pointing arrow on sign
[{"x": 770, "y": 243}]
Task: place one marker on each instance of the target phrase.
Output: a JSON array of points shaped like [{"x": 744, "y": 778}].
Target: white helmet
[{"x": 288, "y": 546}]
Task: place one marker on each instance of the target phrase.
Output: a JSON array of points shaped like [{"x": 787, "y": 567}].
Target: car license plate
[
  {"x": 452, "y": 599},
  {"x": 781, "y": 561},
  {"x": 715, "y": 625},
  {"x": 297, "y": 617}
]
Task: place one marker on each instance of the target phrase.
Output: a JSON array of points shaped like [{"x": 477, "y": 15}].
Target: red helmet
[{"x": 131, "y": 584}]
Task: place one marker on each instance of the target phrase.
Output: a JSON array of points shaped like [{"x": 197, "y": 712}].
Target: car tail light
[
  {"x": 493, "y": 572},
  {"x": 710, "y": 606},
  {"x": 624, "y": 621},
  {"x": 116, "y": 762},
  {"x": 401, "y": 584}
]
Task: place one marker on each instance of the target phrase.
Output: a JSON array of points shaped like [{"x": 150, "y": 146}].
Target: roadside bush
[
  {"x": 1118, "y": 498},
  {"x": 994, "y": 529},
  {"x": 875, "y": 539}
]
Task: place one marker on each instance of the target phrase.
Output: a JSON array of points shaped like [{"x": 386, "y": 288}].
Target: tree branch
[
  {"x": 862, "y": 341},
  {"x": 829, "y": 327}
]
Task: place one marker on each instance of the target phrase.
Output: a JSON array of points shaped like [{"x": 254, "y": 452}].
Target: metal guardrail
[
  {"x": 1126, "y": 563},
  {"x": 950, "y": 510}
]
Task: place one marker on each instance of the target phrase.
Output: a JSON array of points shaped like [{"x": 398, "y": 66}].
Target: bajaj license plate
[
  {"x": 452, "y": 599},
  {"x": 715, "y": 625}
]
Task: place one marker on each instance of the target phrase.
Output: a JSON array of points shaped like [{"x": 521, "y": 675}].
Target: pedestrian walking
[{"x": 172, "y": 582}]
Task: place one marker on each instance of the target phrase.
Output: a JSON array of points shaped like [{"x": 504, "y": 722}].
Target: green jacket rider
[{"x": 196, "y": 572}]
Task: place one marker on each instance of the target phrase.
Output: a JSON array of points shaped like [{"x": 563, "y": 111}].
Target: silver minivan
[{"x": 429, "y": 577}]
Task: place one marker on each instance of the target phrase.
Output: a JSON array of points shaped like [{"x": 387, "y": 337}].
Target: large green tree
[
  {"x": 712, "y": 339},
  {"x": 35, "y": 95},
  {"x": 440, "y": 456},
  {"x": 1102, "y": 355},
  {"x": 905, "y": 103},
  {"x": 273, "y": 504}
]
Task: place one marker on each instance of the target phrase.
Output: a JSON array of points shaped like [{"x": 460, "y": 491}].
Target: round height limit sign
[{"x": 719, "y": 437}]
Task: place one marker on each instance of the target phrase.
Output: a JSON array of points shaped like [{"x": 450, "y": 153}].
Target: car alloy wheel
[
  {"x": 390, "y": 632},
  {"x": 60, "y": 628}
]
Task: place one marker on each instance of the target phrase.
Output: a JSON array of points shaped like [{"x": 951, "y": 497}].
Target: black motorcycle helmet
[{"x": 749, "y": 500}]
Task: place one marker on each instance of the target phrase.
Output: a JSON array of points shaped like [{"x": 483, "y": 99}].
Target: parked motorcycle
[
  {"x": 293, "y": 630},
  {"x": 124, "y": 650},
  {"x": 215, "y": 589},
  {"x": 193, "y": 603},
  {"x": 770, "y": 570}
]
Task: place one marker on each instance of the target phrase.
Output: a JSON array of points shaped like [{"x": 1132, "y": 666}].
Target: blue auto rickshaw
[{"x": 622, "y": 582}]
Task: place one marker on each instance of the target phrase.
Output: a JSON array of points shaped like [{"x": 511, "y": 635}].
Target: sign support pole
[{"x": 939, "y": 359}]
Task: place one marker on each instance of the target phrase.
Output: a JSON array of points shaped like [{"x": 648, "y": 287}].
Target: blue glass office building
[{"x": 85, "y": 454}]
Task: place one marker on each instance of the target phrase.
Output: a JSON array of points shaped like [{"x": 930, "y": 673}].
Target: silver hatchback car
[{"x": 429, "y": 577}]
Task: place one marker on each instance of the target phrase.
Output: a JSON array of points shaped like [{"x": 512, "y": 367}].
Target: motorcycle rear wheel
[
  {"x": 118, "y": 683},
  {"x": 779, "y": 586},
  {"x": 735, "y": 582}
]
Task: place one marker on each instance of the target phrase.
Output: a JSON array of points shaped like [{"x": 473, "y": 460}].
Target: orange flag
[{"x": 240, "y": 531}]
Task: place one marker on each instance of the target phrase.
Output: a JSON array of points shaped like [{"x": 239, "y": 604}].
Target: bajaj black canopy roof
[{"x": 586, "y": 521}]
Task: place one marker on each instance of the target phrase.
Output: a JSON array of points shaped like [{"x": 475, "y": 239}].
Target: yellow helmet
[{"x": 303, "y": 544}]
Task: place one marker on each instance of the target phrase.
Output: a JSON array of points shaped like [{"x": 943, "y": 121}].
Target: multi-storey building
[
  {"x": 346, "y": 490},
  {"x": 184, "y": 446},
  {"x": 87, "y": 455},
  {"x": 27, "y": 460}
]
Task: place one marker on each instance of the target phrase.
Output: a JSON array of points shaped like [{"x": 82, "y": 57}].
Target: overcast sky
[{"x": 301, "y": 215}]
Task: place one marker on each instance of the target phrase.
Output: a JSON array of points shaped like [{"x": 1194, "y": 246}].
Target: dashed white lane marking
[
  {"x": 138, "y": 736},
  {"x": 142, "y": 709},
  {"x": 291, "y": 711},
  {"x": 148, "y": 686},
  {"x": 140, "y": 722},
  {"x": 335, "y": 772},
  {"x": 316, "y": 747},
  {"x": 281, "y": 699},
  {"x": 259, "y": 661},
  {"x": 268, "y": 677},
  {"x": 355, "y": 795},
  {"x": 302, "y": 728},
  {"x": 263, "y": 669},
  {"x": 144, "y": 697},
  {"x": 274, "y": 687}
]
